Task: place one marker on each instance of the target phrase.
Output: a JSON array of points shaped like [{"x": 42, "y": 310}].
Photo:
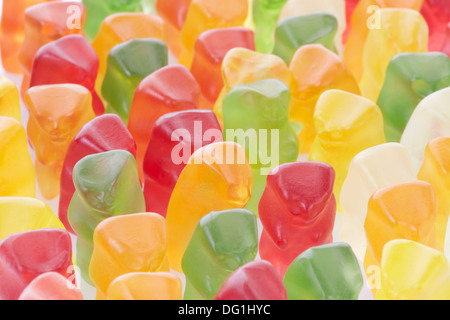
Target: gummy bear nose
[{"x": 240, "y": 194}]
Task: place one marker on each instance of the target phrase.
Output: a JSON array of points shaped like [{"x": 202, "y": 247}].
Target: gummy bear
[
  {"x": 265, "y": 17},
  {"x": 174, "y": 134},
  {"x": 437, "y": 15},
  {"x": 98, "y": 10},
  {"x": 370, "y": 170},
  {"x": 17, "y": 173},
  {"x": 103, "y": 133},
  {"x": 174, "y": 13},
  {"x": 30, "y": 254},
  {"x": 294, "y": 32},
  {"x": 402, "y": 211},
  {"x": 9, "y": 99},
  {"x": 70, "y": 59},
  {"x": 430, "y": 119},
  {"x": 107, "y": 185},
  {"x": 315, "y": 70},
  {"x": 335, "y": 8},
  {"x": 257, "y": 280},
  {"x": 51, "y": 286},
  {"x": 346, "y": 124},
  {"x": 12, "y": 31},
  {"x": 243, "y": 66},
  {"x": 410, "y": 78},
  {"x": 401, "y": 30},
  {"x": 19, "y": 214},
  {"x": 256, "y": 116},
  {"x": 203, "y": 15},
  {"x": 221, "y": 243},
  {"x": 297, "y": 211},
  {"x": 44, "y": 23},
  {"x": 328, "y": 272},
  {"x": 413, "y": 271},
  {"x": 170, "y": 89},
  {"x": 218, "y": 172},
  {"x": 57, "y": 112},
  {"x": 125, "y": 244},
  {"x": 145, "y": 286},
  {"x": 128, "y": 64},
  {"x": 210, "y": 49},
  {"x": 435, "y": 170},
  {"x": 366, "y": 17},
  {"x": 118, "y": 28}
]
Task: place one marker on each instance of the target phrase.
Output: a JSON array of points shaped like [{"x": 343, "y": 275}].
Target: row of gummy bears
[{"x": 137, "y": 148}]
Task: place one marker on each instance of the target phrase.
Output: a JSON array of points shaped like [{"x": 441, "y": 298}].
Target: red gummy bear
[
  {"x": 257, "y": 280},
  {"x": 104, "y": 133},
  {"x": 176, "y": 136},
  {"x": 437, "y": 15},
  {"x": 70, "y": 59},
  {"x": 170, "y": 89},
  {"x": 26, "y": 255},
  {"x": 297, "y": 211},
  {"x": 210, "y": 50}
]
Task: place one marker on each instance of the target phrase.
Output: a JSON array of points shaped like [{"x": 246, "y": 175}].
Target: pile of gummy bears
[{"x": 227, "y": 150}]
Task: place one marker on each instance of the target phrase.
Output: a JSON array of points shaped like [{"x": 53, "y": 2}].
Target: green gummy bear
[
  {"x": 410, "y": 77},
  {"x": 222, "y": 242},
  {"x": 265, "y": 18},
  {"x": 329, "y": 272},
  {"x": 97, "y": 10},
  {"x": 256, "y": 116},
  {"x": 107, "y": 184},
  {"x": 294, "y": 32},
  {"x": 128, "y": 64}
]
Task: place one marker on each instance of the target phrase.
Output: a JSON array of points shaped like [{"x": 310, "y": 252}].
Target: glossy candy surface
[
  {"x": 170, "y": 89},
  {"x": 222, "y": 242},
  {"x": 17, "y": 174},
  {"x": 256, "y": 116},
  {"x": 126, "y": 244},
  {"x": 370, "y": 170},
  {"x": 176, "y": 136},
  {"x": 297, "y": 211},
  {"x": 103, "y": 133},
  {"x": 328, "y": 272},
  {"x": 44, "y": 23},
  {"x": 128, "y": 64},
  {"x": 107, "y": 185},
  {"x": 26, "y": 255},
  {"x": 257, "y": 280},
  {"x": 210, "y": 49},
  {"x": 70, "y": 59},
  {"x": 57, "y": 112},
  {"x": 51, "y": 286},
  {"x": 346, "y": 124},
  {"x": 219, "y": 172},
  {"x": 410, "y": 78}
]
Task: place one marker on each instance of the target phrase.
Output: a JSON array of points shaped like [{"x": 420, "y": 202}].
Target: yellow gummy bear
[
  {"x": 436, "y": 171},
  {"x": 346, "y": 124},
  {"x": 19, "y": 214},
  {"x": 400, "y": 30},
  {"x": 412, "y": 271},
  {"x": 126, "y": 244},
  {"x": 217, "y": 177},
  {"x": 204, "y": 15},
  {"x": 17, "y": 174},
  {"x": 146, "y": 286},
  {"x": 9, "y": 99},
  {"x": 365, "y": 17}
]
